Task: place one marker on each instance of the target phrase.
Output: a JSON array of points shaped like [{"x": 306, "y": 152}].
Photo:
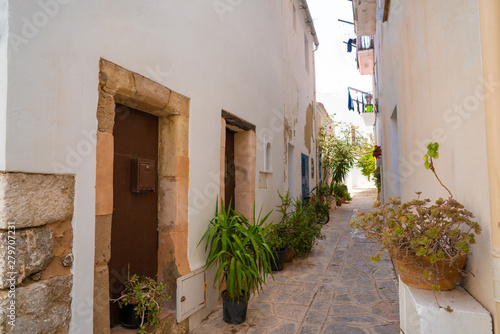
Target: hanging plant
[{"x": 377, "y": 151}]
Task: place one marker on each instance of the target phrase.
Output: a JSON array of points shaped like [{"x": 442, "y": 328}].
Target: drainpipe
[
  {"x": 309, "y": 21},
  {"x": 489, "y": 14}
]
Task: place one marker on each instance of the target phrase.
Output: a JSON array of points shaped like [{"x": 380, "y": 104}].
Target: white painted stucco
[
  {"x": 434, "y": 81},
  {"x": 3, "y": 78},
  {"x": 298, "y": 92},
  {"x": 244, "y": 57}
]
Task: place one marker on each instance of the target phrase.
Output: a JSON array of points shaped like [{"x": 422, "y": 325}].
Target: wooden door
[
  {"x": 134, "y": 232},
  {"x": 230, "y": 171}
]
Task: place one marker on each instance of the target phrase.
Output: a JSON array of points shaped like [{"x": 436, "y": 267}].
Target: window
[{"x": 269, "y": 162}]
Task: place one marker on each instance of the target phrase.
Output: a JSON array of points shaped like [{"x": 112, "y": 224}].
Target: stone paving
[{"x": 336, "y": 289}]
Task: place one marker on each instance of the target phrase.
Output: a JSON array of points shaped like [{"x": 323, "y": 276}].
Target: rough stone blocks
[
  {"x": 116, "y": 80},
  {"x": 151, "y": 94},
  {"x": 178, "y": 104},
  {"x": 31, "y": 253},
  {"x": 41, "y": 307},
  {"x": 101, "y": 300},
  {"x": 104, "y": 174},
  {"x": 30, "y": 200},
  {"x": 102, "y": 239}
]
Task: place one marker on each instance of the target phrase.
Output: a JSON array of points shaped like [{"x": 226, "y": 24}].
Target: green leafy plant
[
  {"x": 298, "y": 222},
  {"x": 338, "y": 155},
  {"x": 433, "y": 234},
  {"x": 324, "y": 190},
  {"x": 366, "y": 164},
  {"x": 238, "y": 248},
  {"x": 148, "y": 295},
  {"x": 324, "y": 202},
  {"x": 340, "y": 192},
  {"x": 275, "y": 237},
  {"x": 432, "y": 152}
]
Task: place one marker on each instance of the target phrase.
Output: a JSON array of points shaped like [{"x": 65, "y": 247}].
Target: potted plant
[
  {"x": 346, "y": 195},
  {"x": 275, "y": 238},
  {"x": 341, "y": 194},
  {"x": 427, "y": 242},
  {"x": 140, "y": 303},
  {"x": 377, "y": 152},
  {"x": 298, "y": 222},
  {"x": 283, "y": 227},
  {"x": 238, "y": 248}
]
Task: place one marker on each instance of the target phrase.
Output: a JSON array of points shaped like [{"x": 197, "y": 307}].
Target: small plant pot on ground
[
  {"x": 278, "y": 263},
  {"x": 234, "y": 312},
  {"x": 128, "y": 317},
  {"x": 140, "y": 302},
  {"x": 441, "y": 273},
  {"x": 289, "y": 255}
]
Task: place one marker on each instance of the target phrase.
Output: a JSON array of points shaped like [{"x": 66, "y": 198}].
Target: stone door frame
[
  {"x": 245, "y": 157},
  {"x": 119, "y": 85}
]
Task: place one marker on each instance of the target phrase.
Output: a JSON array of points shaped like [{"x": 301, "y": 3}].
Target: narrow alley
[{"x": 336, "y": 289}]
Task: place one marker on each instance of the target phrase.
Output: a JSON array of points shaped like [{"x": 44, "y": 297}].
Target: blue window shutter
[{"x": 319, "y": 167}]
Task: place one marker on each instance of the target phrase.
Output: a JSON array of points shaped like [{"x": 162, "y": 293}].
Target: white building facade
[
  {"x": 436, "y": 80},
  {"x": 86, "y": 84}
]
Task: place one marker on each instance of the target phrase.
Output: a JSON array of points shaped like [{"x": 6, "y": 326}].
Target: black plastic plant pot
[
  {"x": 128, "y": 317},
  {"x": 279, "y": 260},
  {"x": 234, "y": 312}
]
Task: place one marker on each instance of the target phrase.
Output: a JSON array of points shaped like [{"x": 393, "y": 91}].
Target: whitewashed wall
[
  {"x": 240, "y": 56},
  {"x": 435, "y": 80},
  {"x": 298, "y": 82},
  {"x": 3, "y": 79}
]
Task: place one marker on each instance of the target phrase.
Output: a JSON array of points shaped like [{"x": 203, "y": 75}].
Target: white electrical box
[{"x": 191, "y": 293}]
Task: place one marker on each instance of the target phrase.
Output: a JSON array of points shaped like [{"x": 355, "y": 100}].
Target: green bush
[
  {"x": 298, "y": 224},
  {"x": 324, "y": 190},
  {"x": 340, "y": 192},
  {"x": 367, "y": 164}
]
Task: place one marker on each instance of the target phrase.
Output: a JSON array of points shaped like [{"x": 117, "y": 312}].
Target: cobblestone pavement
[{"x": 336, "y": 289}]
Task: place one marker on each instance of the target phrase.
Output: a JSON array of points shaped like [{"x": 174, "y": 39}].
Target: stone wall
[{"x": 35, "y": 252}]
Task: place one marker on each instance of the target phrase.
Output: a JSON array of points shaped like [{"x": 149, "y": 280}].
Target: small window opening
[{"x": 269, "y": 164}]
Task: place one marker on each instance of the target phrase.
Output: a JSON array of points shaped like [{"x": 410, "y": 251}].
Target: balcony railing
[
  {"x": 365, "y": 43},
  {"x": 365, "y": 54}
]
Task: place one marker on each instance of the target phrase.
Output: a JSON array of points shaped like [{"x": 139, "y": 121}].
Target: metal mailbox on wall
[{"x": 142, "y": 175}]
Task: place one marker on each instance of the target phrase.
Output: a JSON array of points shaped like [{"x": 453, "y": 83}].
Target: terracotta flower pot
[
  {"x": 444, "y": 274},
  {"x": 289, "y": 255}
]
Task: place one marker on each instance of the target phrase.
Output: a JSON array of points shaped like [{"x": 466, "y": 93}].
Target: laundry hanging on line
[{"x": 350, "y": 105}]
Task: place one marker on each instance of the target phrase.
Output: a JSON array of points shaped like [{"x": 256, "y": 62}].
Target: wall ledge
[{"x": 419, "y": 312}]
